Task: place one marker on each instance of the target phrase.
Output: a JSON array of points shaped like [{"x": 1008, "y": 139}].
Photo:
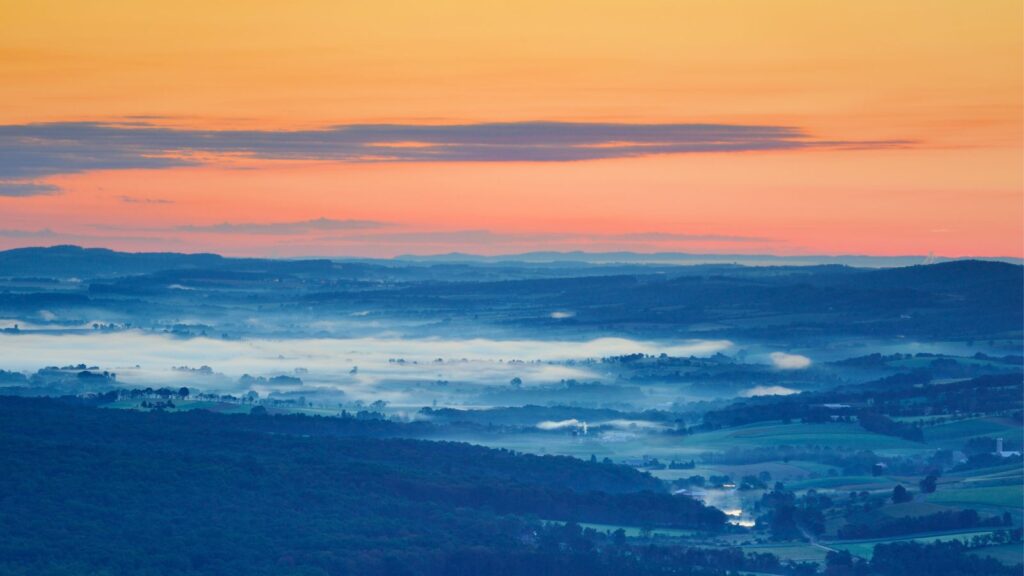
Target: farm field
[
  {"x": 915, "y": 508},
  {"x": 780, "y": 471},
  {"x": 797, "y": 552},
  {"x": 786, "y": 551},
  {"x": 844, "y": 483},
  {"x": 1008, "y": 496},
  {"x": 184, "y": 405},
  {"x": 633, "y": 531},
  {"x": 925, "y": 361},
  {"x": 843, "y": 436},
  {"x": 865, "y": 548},
  {"x": 1007, "y": 553},
  {"x": 838, "y": 435},
  {"x": 954, "y": 434},
  {"x": 636, "y": 532},
  {"x": 1011, "y": 467},
  {"x": 223, "y": 407}
]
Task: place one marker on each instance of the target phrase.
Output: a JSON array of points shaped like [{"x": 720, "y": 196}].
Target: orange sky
[{"x": 925, "y": 99}]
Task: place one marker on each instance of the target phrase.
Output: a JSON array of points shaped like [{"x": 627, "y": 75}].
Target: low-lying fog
[
  {"x": 409, "y": 371},
  {"x": 362, "y": 368}
]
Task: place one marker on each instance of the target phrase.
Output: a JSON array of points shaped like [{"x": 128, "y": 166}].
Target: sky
[{"x": 344, "y": 128}]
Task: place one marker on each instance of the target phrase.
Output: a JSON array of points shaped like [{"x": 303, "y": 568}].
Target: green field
[
  {"x": 954, "y": 434},
  {"x": 781, "y": 471},
  {"x": 222, "y": 407},
  {"x": 915, "y": 508},
  {"x": 1009, "y": 554},
  {"x": 797, "y": 552},
  {"x": 925, "y": 362},
  {"x": 845, "y": 483},
  {"x": 865, "y": 548},
  {"x": 634, "y": 531},
  {"x": 1012, "y": 467},
  {"x": 1001, "y": 476},
  {"x": 836, "y": 435},
  {"x": 185, "y": 405},
  {"x": 1008, "y": 496}
]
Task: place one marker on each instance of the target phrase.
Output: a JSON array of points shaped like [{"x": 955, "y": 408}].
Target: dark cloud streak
[
  {"x": 22, "y": 188},
  {"x": 33, "y": 151}
]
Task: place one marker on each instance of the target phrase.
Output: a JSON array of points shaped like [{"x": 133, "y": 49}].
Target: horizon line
[{"x": 564, "y": 255}]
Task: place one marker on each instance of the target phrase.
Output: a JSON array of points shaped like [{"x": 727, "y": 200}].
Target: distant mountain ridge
[
  {"x": 76, "y": 261},
  {"x": 685, "y": 258},
  {"x": 963, "y": 299},
  {"x": 70, "y": 261}
]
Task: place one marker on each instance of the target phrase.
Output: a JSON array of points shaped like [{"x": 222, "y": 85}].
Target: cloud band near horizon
[
  {"x": 30, "y": 153},
  {"x": 333, "y": 232}
]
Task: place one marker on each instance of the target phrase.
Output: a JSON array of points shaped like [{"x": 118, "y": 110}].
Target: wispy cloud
[
  {"x": 29, "y": 152},
  {"x": 138, "y": 200},
  {"x": 300, "y": 227},
  {"x": 19, "y": 188},
  {"x": 489, "y": 237},
  {"x": 674, "y": 237},
  {"x": 44, "y": 233},
  {"x": 347, "y": 232},
  {"x": 49, "y": 237}
]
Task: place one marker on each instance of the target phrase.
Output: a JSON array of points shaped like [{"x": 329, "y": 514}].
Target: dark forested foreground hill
[
  {"x": 86, "y": 491},
  {"x": 92, "y": 491}
]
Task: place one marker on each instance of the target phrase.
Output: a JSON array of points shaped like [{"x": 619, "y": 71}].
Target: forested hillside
[{"x": 202, "y": 493}]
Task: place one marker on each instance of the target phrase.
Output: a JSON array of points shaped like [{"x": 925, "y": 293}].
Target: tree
[
  {"x": 782, "y": 523},
  {"x": 845, "y": 564},
  {"x": 928, "y": 483},
  {"x": 812, "y": 520},
  {"x": 901, "y": 494}
]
